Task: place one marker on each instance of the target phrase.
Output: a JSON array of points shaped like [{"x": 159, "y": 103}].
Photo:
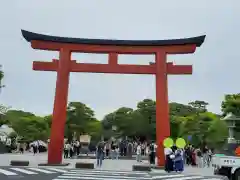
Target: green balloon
[
  {"x": 168, "y": 143},
  {"x": 180, "y": 143}
]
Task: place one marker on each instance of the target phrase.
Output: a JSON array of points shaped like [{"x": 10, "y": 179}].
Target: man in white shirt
[
  {"x": 139, "y": 149},
  {"x": 168, "y": 159}
]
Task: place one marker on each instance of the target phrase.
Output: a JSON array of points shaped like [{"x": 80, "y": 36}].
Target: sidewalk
[
  {"x": 34, "y": 160},
  {"x": 117, "y": 165}
]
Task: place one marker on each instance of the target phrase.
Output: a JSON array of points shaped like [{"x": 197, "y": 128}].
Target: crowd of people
[
  {"x": 199, "y": 157},
  {"x": 113, "y": 149},
  {"x": 176, "y": 158},
  {"x": 71, "y": 149}
]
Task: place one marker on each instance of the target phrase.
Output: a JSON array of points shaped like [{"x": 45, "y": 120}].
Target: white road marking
[
  {"x": 98, "y": 178},
  {"x": 110, "y": 172},
  {"x": 57, "y": 170},
  {"x": 186, "y": 178},
  {"x": 167, "y": 176},
  {"x": 213, "y": 179},
  {"x": 8, "y": 173},
  {"x": 42, "y": 170},
  {"x": 23, "y": 171}
]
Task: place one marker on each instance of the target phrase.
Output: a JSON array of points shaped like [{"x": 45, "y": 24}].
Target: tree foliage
[
  {"x": 191, "y": 121},
  {"x": 1, "y": 77},
  {"x": 231, "y": 104}
]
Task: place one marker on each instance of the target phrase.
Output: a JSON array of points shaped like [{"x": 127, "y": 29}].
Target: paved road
[
  {"x": 30, "y": 173},
  {"x": 127, "y": 175},
  {"x": 53, "y": 173},
  {"x": 120, "y": 170}
]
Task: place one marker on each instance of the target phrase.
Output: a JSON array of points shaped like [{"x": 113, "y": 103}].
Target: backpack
[
  {"x": 199, "y": 153},
  {"x": 151, "y": 147},
  {"x": 100, "y": 147}
]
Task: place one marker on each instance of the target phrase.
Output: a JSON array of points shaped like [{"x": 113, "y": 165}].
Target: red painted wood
[
  {"x": 113, "y": 68},
  {"x": 162, "y": 109},
  {"x": 176, "y": 49},
  {"x": 64, "y": 66},
  {"x": 55, "y": 149},
  {"x": 113, "y": 59}
]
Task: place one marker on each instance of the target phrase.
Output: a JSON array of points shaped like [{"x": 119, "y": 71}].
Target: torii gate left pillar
[{"x": 65, "y": 65}]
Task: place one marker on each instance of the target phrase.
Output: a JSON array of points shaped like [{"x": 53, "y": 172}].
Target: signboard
[{"x": 85, "y": 138}]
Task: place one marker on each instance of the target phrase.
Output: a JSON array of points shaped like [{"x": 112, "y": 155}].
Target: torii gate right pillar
[{"x": 162, "y": 109}]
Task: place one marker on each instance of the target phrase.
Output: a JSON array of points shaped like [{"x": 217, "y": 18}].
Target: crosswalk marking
[
  {"x": 167, "y": 175},
  {"x": 105, "y": 172},
  {"x": 8, "y": 173},
  {"x": 186, "y": 178},
  {"x": 109, "y": 171},
  {"x": 76, "y": 174},
  {"x": 42, "y": 170},
  {"x": 57, "y": 170},
  {"x": 16, "y": 171},
  {"x": 92, "y": 174},
  {"x": 87, "y": 176},
  {"x": 103, "y": 175},
  {"x": 23, "y": 171},
  {"x": 96, "y": 177}
]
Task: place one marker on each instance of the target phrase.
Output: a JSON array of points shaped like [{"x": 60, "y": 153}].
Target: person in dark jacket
[{"x": 100, "y": 153}]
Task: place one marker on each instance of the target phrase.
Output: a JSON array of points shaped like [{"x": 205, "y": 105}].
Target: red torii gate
[{"x": 63, "y": 67}]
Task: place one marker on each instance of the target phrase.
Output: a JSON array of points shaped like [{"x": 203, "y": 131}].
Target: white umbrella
[{"x": 39, "y": 142}]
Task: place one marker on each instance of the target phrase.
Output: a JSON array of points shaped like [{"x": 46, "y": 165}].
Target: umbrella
[{"x": 39, "y": 142}]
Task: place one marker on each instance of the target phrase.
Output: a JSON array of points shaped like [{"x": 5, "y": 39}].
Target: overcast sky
[{"x": 215, "y": 64}]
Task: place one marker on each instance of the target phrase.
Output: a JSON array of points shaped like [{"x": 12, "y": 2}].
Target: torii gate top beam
[{"x": 55, "y": 43}]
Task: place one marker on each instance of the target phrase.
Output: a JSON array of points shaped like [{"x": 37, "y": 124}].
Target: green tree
[
  {"x": 217, "y": 133},
  {"x": 79, "y": 118},
  {"x": 48, "y": 120},
  {"x": 231, "y": 104},
  {"x": 181, "y": 110},
  {"x": 201, "y": 106},
  {"x": 1, "y": 77},
  {"x": 31, "y": 128},
  {"x": 3, "y": 111},
  {"x": 180, "y": 116},
  {"x": 27, "y": 125}
]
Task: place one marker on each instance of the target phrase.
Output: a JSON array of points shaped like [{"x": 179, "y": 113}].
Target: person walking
[
  {"x": 152, "y": 152},
  {"x": 139, "y": 153},
  {"x": 169, "y": 156},
  {"x": 100, "y": 153},
  {"x": 66, "y": 150},
  {"x": 199, "y": 159}
]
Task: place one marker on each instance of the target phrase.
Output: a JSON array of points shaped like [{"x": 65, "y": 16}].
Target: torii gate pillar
[{"x": 63, "y": 66}]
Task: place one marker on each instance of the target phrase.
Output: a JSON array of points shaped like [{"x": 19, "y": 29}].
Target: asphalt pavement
[
  {"x": 53, "y": 173},
  {"x": 111, "y": 170},
  {"x": 30, "y": 173}
]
